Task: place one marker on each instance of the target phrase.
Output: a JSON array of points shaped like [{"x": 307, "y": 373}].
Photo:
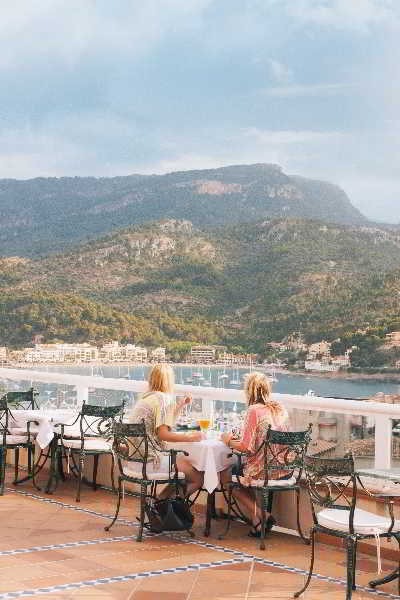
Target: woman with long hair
[
  {"x": 159, "y": 409},
  {"x": 262, "y": 411}
]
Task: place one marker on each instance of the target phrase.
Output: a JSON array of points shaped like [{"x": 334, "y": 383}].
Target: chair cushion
[
  {"x": 34, "y": 430},
  {"x": 14, "y": 439},
  {"x": 90, "y": 444},
  {"x": 271, "y": 482},
  {"x": 137, "y": 474},
  {"x": 364, "y": 522}
]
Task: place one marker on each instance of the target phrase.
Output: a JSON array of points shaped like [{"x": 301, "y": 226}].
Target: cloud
[
  {"x": 287, "y": 137},
  {"x": 314, "y": 89},
  {"x": 356, "y": 15},
  {"x": 280, "y": 72}
]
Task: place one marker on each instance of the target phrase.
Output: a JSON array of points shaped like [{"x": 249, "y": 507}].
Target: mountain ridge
[{"x": 46, "y": 215}]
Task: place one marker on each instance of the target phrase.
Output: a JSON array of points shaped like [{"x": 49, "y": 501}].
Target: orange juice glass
[{"x": 204, "y": 424}]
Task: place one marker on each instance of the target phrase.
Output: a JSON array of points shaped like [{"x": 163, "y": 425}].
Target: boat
[
  {"x": 235, "y": 379},
  {"x": 310, "y": 393}
]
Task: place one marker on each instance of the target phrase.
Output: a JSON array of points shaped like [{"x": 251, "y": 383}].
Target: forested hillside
[{"x": 240, "y": 285}]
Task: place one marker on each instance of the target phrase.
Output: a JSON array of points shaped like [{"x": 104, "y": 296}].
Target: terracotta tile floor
[{"x": 53, "y": 548}]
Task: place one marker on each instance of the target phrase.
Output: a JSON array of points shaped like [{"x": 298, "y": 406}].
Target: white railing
[{"x": 381, "y": 412}]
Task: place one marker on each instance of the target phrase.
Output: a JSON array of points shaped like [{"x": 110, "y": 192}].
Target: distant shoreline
[{"x": 388, "y": 377}]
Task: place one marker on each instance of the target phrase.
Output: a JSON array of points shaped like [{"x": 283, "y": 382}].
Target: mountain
[
  {"x": 47, "y": 215},
  {"x": 245, "y": 284}
]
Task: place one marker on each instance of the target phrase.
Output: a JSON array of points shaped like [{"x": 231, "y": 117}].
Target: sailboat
[
  {"x": 235, "y": 378},
  {"x": 272, "y": 377},
  {"x": 207, "y": 380}
]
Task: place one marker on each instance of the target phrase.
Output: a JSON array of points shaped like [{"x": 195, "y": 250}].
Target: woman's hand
[
  {"x": 226, "y": 438},
  {"x": 181, "y": 402},
  {"x": 195, "y": 436}
]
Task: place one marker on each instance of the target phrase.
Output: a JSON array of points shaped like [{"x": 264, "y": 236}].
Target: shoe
[{"x": 256, "y": 531}]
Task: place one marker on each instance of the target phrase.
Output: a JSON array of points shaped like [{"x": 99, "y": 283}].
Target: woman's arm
[
  {"x": 180, "y": 404},
  {"x": 166, "y": 435},
  {"x": 233, "y": 444}
]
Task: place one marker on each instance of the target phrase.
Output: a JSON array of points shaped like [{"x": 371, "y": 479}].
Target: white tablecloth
[
  {"x": 210, "y": 456},
  {"x": 46, "y": 419}
]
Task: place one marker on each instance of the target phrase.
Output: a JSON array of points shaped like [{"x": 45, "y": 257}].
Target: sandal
[{"x": 256, "y": 532}]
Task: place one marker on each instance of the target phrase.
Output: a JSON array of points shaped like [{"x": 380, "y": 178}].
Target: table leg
[
  {"x": 210, "y": 514},
  {"x": 53, "y": 472}
]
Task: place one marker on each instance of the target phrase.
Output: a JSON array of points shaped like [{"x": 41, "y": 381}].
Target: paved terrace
[{"x": 53, "y": 548}]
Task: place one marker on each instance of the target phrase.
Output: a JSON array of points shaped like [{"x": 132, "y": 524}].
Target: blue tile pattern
[{"x": 240, "y": 557}]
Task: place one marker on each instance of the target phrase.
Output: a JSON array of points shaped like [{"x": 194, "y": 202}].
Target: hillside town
[{"x": 291, "y": 352}]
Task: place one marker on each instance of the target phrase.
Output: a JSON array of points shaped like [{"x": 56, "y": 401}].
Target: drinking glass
[{"x": 205, "y": 420}]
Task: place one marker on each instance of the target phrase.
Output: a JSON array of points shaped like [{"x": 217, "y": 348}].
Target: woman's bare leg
[
  {"x": 194, "y": 478},
  {"x": 249, "y": 505}
]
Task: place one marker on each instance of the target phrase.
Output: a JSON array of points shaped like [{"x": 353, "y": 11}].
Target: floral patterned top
[
  {"x": 258, "y": 418},
  {"x": 156, "y": 408}
]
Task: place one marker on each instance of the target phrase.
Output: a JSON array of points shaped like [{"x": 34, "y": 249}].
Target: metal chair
[
  {"x": 9, "y": 441},
  {"x": 23, "y": 401},
  {"x": 131, "y": 447},
  {"x": 283, "y": 451},
  {"x": 95, "y": 427},
  {"x": 332, "y": 485}
]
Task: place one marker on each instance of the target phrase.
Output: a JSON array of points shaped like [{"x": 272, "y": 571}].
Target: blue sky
[{"x": 111, "y": 88}]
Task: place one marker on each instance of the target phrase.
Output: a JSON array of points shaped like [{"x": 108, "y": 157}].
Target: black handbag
[{"x": 171, "y": 514}]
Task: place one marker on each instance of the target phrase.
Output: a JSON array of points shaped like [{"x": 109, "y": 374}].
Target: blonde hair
[
  {"x": 161, "y": 379},
  {"x": 258, "y": 390}
]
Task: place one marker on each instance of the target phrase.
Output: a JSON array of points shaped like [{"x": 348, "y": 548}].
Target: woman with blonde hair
[
  {"x": 262, "y": 411},
  {"x": 160, "y": 410}
]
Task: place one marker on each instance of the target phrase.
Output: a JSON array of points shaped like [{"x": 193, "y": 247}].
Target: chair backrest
[
  {"x": 23, "y": 400},
  {"x": 332, "y": 483},
  {"x": 4, "y": 414},
  {"x": 284, "y": 451},
  {"x": 131, "y": 445},
  {"x": 97, "y": 421}
]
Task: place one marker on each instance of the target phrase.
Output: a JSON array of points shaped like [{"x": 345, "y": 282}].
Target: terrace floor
[{"x": 53, "y": 548}]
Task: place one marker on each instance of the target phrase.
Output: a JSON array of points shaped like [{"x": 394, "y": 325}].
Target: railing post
[
  {"x": 82, "y": 395},
  {"x": 383, "y": 442}
]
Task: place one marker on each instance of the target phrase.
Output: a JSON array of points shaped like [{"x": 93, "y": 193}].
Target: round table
[{"x": 209, "y": 455}]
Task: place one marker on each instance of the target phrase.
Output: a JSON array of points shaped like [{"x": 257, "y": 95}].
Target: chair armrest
[{"x": 174, "y": 451}]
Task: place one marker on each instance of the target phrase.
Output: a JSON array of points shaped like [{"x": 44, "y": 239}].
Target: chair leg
[
  {"x": 270, "y": 501},
  {"x": 95, "y": 468},
  {"x": 299, "y": 529},
  {"x": 354, "y": 563},
  {"x": 350, "y": 557},
  {"x": 229, "y": 516},
  {"x": 143, "y": 490},
  {"x": 30, "y": 460},
  {"x": 112, "y": 473},
  {"x": 60, "y": 469},
  {"x": 2, "y": 469},
  {"x": 16, "y": 464},
  {"x": 80, "y": 473},
  {"x": 108, "y": 527},
  {"x": 32, "y": 472},
  {"x": 307, "y": 583},
  {"x": 398, "y": 574},
  {"x": 263, "y": 502}
]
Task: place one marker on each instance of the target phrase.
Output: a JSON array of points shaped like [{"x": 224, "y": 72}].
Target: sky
[{"x": 106, "y": 88}]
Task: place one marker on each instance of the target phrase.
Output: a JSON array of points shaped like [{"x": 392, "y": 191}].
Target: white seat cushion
[
  {"x": 14, "y": 439},
  {"x": 137, "y": 474},
  {"x": 90, "y": 444},
  {"x": 271, "y": 482},
  {"x": 364, "y": 522},
  {"x": 23, "y": 431}
]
